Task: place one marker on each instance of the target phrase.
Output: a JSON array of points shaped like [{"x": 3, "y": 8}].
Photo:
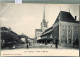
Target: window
[
  {"x": 63, "y": 36},
  {"x": 69, "y": 35},
  {"x": 63, "y": 30},
  {"x": 69, "y": 26},
  {"x": 38, "y": 33}
]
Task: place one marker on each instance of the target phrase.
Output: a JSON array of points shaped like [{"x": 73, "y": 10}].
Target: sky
[{"x": 26, "y": 17}]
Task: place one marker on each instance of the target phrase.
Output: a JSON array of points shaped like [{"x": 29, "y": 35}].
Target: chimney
[{"x": 75, "y": 18}]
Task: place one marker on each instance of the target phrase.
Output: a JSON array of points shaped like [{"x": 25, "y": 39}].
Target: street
[
  {"x": 40, "y": 50},
  {"x": 43, "y": 46}
]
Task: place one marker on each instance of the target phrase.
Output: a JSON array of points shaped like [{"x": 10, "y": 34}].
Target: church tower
[{"x": 44, "y": 22}]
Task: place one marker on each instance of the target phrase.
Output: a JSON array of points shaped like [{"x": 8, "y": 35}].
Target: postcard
[{"x": 35, "y": 29}]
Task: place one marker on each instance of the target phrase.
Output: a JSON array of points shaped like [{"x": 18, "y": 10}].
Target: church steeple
[
  {"x": 44, "y": 23},
  {"x": 44, "y": 15}
]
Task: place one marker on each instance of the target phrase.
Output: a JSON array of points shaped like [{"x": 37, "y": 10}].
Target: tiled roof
[{"x": 65, "y": 16}]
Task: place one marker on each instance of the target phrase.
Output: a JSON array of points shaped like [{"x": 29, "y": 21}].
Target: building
[
  {"x": 44, "y": 26},
  {"x": 46, "y": 36},
  {"x": 23, "y": 39},
  {"x": 31, "y": 41},
  {"x": 65, "y": 29},
  {"x": 68, "y": 27},
  {"x": 38, "y": 33},
  {"x": 8, "y": 37}
]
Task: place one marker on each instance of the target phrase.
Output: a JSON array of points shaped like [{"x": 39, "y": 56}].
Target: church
[
  {"x": 44, "y": 26},
  {"x": 65, "y": 29}
]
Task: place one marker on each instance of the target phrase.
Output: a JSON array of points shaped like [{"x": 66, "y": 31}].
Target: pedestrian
[
  {"x": 56, "y": 43},
  {"x": 27, "y": 45},
  {"x": 73, "y": 45},
  {"x": 51, "y": 43},
  {"x": 13, "y": 46}
]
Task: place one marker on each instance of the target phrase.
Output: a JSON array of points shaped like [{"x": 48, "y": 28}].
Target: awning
[
  {"x": 45, "y": 39},
  {"x": 46, "y": 33}
]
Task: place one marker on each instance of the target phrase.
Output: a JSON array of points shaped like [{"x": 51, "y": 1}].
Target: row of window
[{"x": 69, "y": 26}]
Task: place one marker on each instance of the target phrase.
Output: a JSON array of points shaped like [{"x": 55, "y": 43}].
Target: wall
[
  {"x": 68, "y": 31},
  {"x": 55, "y": 32},
  {"x": 38, "y": 33}
]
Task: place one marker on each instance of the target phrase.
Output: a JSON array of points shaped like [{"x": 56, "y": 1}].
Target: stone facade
[
  {"x": 68, "y": 31},
  {"x": 38, "y": 33},
  {"x": 65, "y": 29}
]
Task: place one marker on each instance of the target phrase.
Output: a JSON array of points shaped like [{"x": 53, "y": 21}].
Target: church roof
[{"x": 65, "y": 16}]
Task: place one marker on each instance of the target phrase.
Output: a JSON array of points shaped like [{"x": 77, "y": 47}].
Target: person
[
  {"x": 27, "y": 45},
  {"x": 14, "y": 47},
  {"x": 56, "y": 44},
  {"x": 51, "y": 43},
  {"x": 76, "y": 42},
  {"x": 46, "y": 42}
]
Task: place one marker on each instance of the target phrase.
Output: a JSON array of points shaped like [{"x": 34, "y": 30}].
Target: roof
[
  {"x": 4, "y": 28},
  {"x": 65, "y": 16},
  {"x": 48, "y": 29},
  {"x": 38, "y": 30},
  {"x": 7, "y": 29}
]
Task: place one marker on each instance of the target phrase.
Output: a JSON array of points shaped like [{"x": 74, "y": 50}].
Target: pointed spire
[{"x": 44, "y": 13}]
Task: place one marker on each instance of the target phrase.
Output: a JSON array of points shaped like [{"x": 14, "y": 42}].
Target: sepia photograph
[{"x": 35, "y": 29}]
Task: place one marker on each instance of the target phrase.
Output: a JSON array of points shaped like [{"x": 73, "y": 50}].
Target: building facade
[
  {"x": 44, "y": 26},
  {"x": 65, "y": 29},
  {"x": 68, "y": 32},
  {"x": 46, "y": 36},
  {"x": 38, "y": 32},
  {"x": 8, "y": 37}
]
